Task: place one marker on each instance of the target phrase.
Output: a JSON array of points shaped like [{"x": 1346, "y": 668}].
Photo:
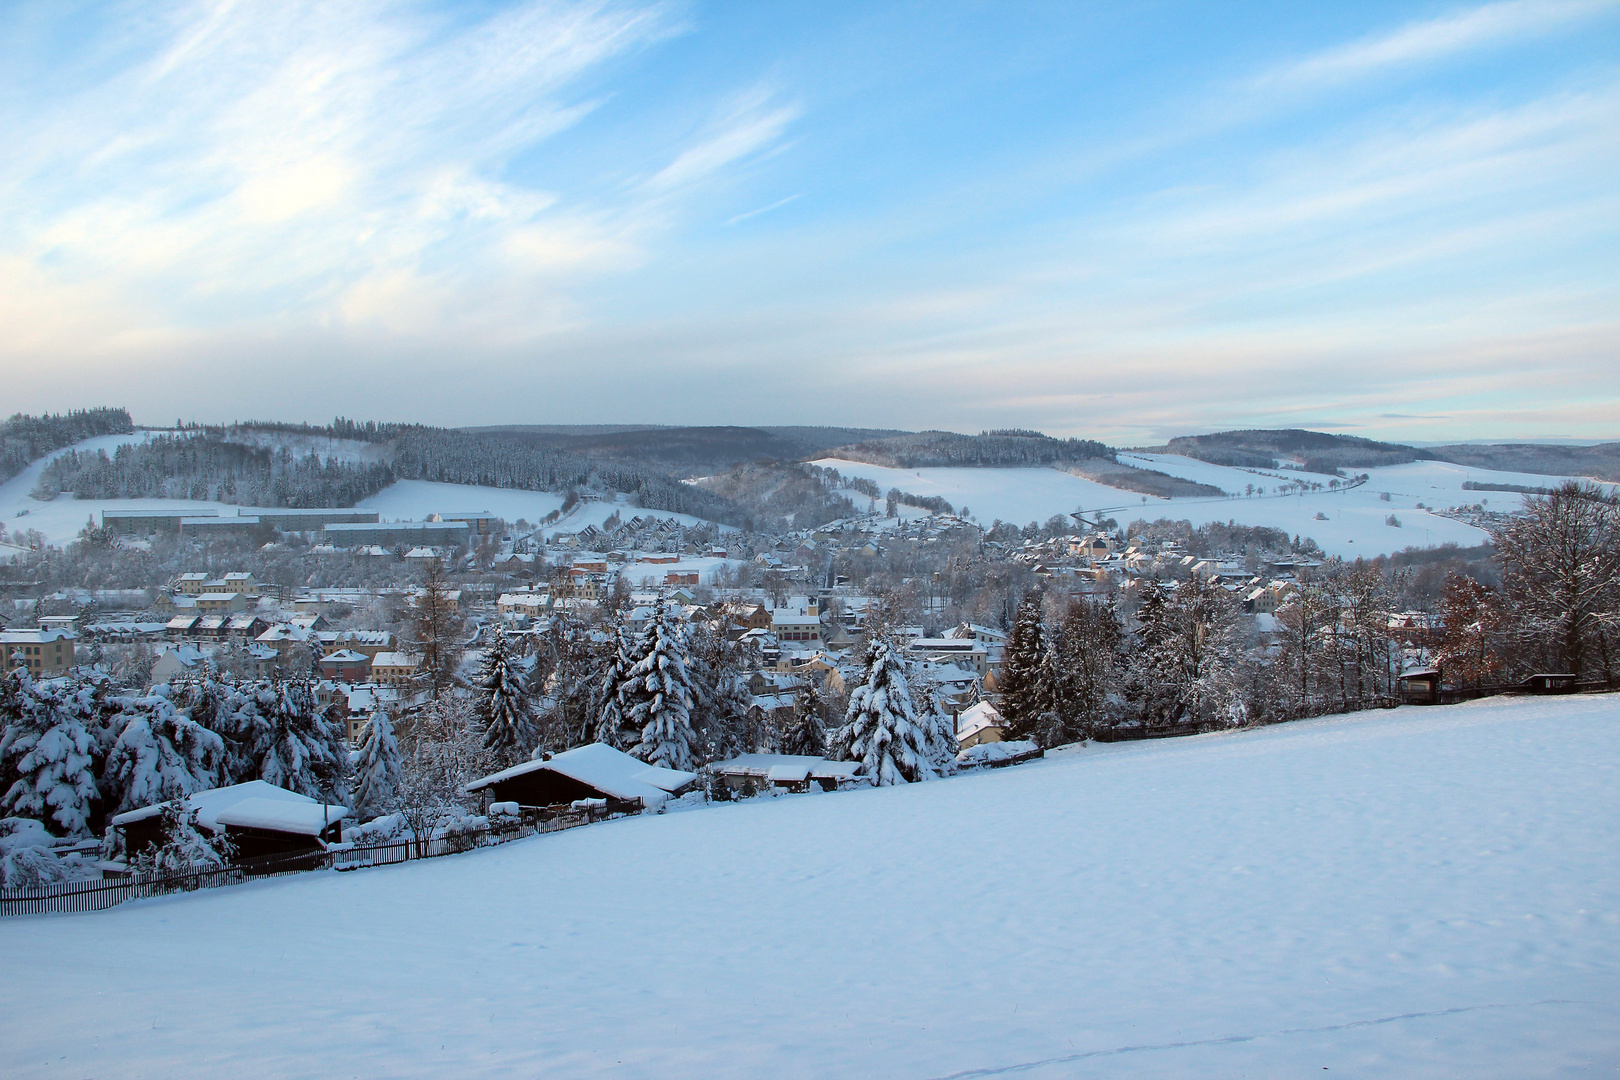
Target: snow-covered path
[{"x": 1418, "y": 893}]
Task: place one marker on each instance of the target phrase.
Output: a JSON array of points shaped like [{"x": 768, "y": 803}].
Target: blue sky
[{"x": 1121, "y": 220}]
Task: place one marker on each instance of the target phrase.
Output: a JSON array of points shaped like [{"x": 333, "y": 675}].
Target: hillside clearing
[{"x": 1418, "y": 893}]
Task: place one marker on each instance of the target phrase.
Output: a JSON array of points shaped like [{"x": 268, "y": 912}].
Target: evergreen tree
[
  {"x": 304, "y": 753},
  {"x": 503, "y": 705},
  {"x": 724, "y": 718},
  {"x": 161, "y": 754},
  {"x": 1028, "y": 690},
  {"x": 658, "y": 693},
  {"x": 807, "y": 732},
  {"x": 609, "y": 721},
  {"x": 377, "y": 767},
  {"x": 47, "y": 745},
  {"x": 881, "y": 728}
]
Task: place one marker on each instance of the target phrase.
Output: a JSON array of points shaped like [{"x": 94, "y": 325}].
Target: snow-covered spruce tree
[
  {"x": 236, "y": 713},
  {"x": 187, "y": 846},
  {"x": 807, "y": 732},
  {"x": 881, "y": 728},
  {"x": 1026, "y": 682},
  {"x": 658, "y": 693},
  {"x": 305, "y": 752},
  {"x": 608, "y": 720},
  {"x": 724, "y": 718},
  {"x": 161, "y": 754},
  {"x": 502, "y": 703},
  {"x": 46, "y": 743},
  {"x": 377, "y": 767}
]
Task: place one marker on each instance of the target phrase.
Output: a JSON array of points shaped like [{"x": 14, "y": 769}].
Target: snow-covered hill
[
  {"x": 61, "y": 518},
  {"x": 1353, "y": 521},
  {"x": 1418, "y": 893}
]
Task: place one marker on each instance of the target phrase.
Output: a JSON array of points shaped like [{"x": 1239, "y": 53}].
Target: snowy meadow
[{"x": 1415, "y": 893}]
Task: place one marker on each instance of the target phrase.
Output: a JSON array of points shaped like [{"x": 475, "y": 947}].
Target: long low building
[
  {"x": 145, "y": 522},
  {"x": 392, "y": 533}
]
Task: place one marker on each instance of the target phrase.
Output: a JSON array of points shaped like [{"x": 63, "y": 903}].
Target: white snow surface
[
  {"x": 210, "y": 804},
  {"x": 1016, "y": 495},
  {"x": 408, "y": 500},
  {"x": 307, "y": 819},
  {"x": 604, "y": 768},
  {"x": 1355, "y": 519},
  {"x": 413, "y": 500},
  {"x": 1419, "y": 893}
]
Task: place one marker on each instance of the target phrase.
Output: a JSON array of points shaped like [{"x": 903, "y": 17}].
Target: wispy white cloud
[
  {"x": 1488, "y": 25},
  {"x": 323, "y": 161},
  {"x": 752, "y": 125},
  {"x": 767, "y": 208}
]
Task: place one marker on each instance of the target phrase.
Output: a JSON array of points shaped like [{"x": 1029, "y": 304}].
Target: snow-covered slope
[
  {"x": 1016, "y": 495},
  {"x": 1418, "y": 893},
  {"x": 412, "y": 500},
  {"x": 61, "y": 519},
  {"x": 1353, "y": 521}
]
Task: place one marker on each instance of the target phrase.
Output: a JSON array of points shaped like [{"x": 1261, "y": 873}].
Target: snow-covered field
[
  {"x": 1353, "y": 523},
  {"x": 412, "y": 500},
  {"x": 1016, "y": 495},
  {"x": 408, "y": 500},
  {"x": 1417, "y": 893}
]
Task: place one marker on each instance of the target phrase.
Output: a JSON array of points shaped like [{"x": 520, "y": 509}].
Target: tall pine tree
[
  {"x": 47, "y": 744},
  {"x": 377, "y": 767},
  {"x": 304, "y": 752},
  {"x": 1026, "y": 682},
  {"x": 503, "y": 705},
  {"x": 658, "y": 693},
  {"x": 882, "y": 729}
]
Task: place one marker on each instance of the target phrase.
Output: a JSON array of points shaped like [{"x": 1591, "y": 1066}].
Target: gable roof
[
  {"x": 610, "y": 771},
  {"x": 210, "y": 804}
]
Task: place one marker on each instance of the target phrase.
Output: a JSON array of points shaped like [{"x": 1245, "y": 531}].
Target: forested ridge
[
  {"x": 1012, "y": 448},
  {"x": 26, "y": 439}
]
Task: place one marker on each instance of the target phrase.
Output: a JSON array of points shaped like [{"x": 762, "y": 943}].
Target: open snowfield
[
  {"x": 413, "y": 500},
  {"x": 408, "y": 500},
  {"x": 1354, "y": 520},
  {"x": 1016, "y": 495},
  {"x": 1417, "y": 893}
]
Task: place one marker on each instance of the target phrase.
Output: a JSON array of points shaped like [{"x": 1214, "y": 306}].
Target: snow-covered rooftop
[
  {"x": 604, "y": 768},
  {"x": 209, "y": 804},
  {"x": 278, "y": 815}
]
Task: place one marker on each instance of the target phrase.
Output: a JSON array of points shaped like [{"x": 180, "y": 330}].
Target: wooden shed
[{"x": 594, "y": 771}]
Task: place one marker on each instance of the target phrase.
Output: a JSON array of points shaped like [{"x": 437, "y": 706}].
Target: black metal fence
[{"x": 98, "y": 895}]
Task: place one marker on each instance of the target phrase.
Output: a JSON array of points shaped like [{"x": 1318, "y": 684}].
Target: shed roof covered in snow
[
  {"x": 210, "y": 804},
  {"x": 278, "y": 815},
  {"x": 596, "y": 766}
]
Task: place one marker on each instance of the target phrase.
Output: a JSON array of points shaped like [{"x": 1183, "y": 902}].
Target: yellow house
[
  {"x": 229, "y": 603},
  {"x": 395, "y": 668},
  {"x": 45, "y": 653}
]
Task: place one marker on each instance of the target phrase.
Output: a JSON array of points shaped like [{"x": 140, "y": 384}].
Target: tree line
[{"x": 26, "y": 439}]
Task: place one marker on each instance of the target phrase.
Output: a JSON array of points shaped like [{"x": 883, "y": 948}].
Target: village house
[
  {"x": 45, "y": 653},
  {"x": 346, "y": 665},
  {"x": 395, "y": 668}
]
